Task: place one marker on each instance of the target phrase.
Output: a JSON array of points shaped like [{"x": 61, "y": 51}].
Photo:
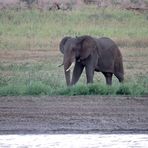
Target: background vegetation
[{"x": 29, "y": 55}]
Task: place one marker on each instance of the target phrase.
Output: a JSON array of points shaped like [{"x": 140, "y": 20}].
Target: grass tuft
[
  {"x": 123, "y": 90},
  {"x": 38, "y": 88},
  {"x": 12, "y": 90}
]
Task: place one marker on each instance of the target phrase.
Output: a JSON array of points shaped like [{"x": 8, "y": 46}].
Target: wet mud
[{"x": 77, "y": 114}]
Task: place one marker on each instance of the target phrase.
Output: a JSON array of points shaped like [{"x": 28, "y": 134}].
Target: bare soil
[{"x": 77, "y": 114}]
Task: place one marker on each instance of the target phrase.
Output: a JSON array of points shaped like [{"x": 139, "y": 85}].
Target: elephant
[{"x": 95, "y": 54}]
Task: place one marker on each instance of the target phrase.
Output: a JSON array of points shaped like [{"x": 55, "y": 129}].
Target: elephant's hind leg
[
  {"x": 108, "y": 77},
  {"x": 120, "y": 76}
]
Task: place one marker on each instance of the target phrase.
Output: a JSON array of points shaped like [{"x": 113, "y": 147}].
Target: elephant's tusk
[
  {"x": 71, "y": 66},
  {"x": 61, "y": 65}
]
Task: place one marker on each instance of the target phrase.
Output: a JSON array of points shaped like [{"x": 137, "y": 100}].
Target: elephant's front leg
[
  {"x": 89, "y": 73},
  {"x": 77, "y": 72},
  {"x": 90, "y": 65}
]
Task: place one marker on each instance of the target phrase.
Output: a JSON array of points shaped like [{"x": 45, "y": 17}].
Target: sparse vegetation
[{"x": 29, "y": 55}]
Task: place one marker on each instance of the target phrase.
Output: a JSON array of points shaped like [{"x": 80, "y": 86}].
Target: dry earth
[{"x": 77, "y": 114}]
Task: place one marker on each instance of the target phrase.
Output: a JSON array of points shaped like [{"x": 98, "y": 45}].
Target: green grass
[
  {"x": 40, "y": 88},
  {"x": 31, "y": 30},
  {"x": 40, "y": 84}
]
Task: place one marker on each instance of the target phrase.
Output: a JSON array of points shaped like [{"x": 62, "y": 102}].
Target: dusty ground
[{"x": 80, "y": 114}]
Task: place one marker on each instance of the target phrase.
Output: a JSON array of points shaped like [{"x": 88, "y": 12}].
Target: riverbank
[{"x": 75, "y": 114}]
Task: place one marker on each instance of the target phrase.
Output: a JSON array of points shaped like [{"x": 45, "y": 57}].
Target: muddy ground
[{"x": 78, "y": 114}]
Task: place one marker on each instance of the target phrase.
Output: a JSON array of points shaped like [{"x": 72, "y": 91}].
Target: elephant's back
[
  {"x": 107, "y": 43},
  {"x": 108, "y": 48}
]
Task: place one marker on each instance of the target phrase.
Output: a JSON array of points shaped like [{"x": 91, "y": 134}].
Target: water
[{"x": 75, "y": 141}]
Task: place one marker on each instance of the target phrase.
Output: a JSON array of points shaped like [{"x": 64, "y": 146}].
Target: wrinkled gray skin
[{"x": 101, "y": 55}]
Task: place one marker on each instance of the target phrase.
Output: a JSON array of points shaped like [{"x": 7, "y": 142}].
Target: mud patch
[{"x": 80, "y": 114}]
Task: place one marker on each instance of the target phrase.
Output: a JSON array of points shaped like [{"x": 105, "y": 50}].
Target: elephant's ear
[
  {"x": 62, "y": 43},
  {"x": 88, "y": 44}
]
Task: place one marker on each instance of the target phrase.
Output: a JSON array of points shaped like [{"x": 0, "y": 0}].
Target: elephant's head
[{"x": 74, "y": 50}]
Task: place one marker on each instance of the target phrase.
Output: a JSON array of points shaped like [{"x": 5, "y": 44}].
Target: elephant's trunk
[
  {"x": 68, "y": 65},
  {"x": 67, "y": 77}
]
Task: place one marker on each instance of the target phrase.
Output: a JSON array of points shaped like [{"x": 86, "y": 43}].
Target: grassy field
[{"x": 29, "y": 54}]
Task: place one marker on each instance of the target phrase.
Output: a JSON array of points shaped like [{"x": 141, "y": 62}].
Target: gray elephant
[{"x": 101, "y": 55}]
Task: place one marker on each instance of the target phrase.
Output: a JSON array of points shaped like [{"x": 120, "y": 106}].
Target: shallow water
[{"x": 75, "y": 141}]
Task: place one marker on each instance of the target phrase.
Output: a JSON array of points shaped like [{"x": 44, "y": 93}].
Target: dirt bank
[{"x": 80, "y": 114}]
